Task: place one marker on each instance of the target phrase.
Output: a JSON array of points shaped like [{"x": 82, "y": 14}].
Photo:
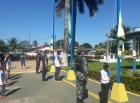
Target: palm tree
[
  {"x": 12, "y": 42},
  {"x": 65, "y": 4},
  {"x": 35, "y": 43}
]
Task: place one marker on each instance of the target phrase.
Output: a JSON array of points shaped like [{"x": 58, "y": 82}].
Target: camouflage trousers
[{"x": 80, "y": 86}]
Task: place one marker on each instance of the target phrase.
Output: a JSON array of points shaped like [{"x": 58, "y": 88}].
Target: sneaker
[
  {"x": 43, "y": 80},
  {"x": 58, "y": 81}
]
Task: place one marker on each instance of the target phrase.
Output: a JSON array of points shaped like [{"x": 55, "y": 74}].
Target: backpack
[{"x": 78, "y": 62}]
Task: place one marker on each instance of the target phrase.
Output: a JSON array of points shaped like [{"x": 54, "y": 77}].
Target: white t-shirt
[
  {"x": 8, "y": 64},
  {"x": 57, "y": 63},
  {"x": 104, "y": 77},
  {"x": 3, "y": 75}
]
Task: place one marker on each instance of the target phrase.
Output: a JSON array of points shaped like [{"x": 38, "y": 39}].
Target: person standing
[
  {"x": 81, "y": 72},
  {"x": 38, "y": 59},
  {"x": 58, "y": 61},
  {"x": 8, "y": 67},
  {"x": 22, "y": 59},
  {"x": 3, "y": 81},
  {"x": 105, "y": 83},
  {"x": 44, "y": 65}
]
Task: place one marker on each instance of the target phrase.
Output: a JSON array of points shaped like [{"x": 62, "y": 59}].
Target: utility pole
[
  {"x": 29, "y": 37},
  {"x": 55, "y": 41},
  {"x": 60, "y": 44},
  {"x": 107, "y": 45}
]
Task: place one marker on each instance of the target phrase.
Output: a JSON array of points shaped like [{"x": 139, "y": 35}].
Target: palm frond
[
  {"x": 100, "y": 1},
  {"x": 80, "y": 4},
  {"x": 92, "y": 5},
  {"x": 57, "y": 0},
  {"x": 60, "y": 6}
]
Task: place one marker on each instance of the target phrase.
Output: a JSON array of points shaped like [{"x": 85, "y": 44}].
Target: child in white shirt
[{"x": 3, "y": 81}]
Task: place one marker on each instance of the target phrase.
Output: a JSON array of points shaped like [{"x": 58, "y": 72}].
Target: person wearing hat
[
  {"x": 81, "y": 72},
  {"x": 58, "y": 61},
  {"x": 105, "y": 83},
  {"x": 44, "y": 65}
]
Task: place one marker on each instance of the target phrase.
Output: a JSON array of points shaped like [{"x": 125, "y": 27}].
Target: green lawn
[{"x": 125, "y": 65}]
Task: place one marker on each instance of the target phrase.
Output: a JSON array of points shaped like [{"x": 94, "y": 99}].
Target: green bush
[
  {"x": 98, "y": 57},
  {"x": 136, "y": 73},
  {"x": 31, "y": 57},
  {"x": 131, "y": 83},
  {"x": 95, "y": 75}
]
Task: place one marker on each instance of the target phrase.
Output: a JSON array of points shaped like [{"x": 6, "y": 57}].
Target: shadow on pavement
[
  {"x": 49, "y": 77},
  {"x": 62, "y": 77},
  {"x": 13, "y": 91},
  {"x": 12, "y": 75},
  {"x": 12, "y": 83},
  {"x": 16, "y": 78},
  {"x": 28, "y": 67}
]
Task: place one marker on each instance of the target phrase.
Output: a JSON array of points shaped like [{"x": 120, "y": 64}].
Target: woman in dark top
[{"x": 22, "y": 59}]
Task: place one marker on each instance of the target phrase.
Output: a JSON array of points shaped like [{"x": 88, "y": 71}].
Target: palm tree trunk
[{"x": 66, "y": 42}]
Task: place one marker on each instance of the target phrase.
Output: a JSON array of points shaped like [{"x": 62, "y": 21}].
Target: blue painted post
[
  {"x": 134, "y": 53},
  {"x": 118, "y": 58},
  {"x": 53, "y": 17},
  {"x": 72, "y": 32}
]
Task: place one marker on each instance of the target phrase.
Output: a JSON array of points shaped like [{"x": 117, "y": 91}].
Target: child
[
  {"x": 105, "y": 83},
  {"x": 3, "y": 81},
  {"x": 8, "y": 66}
]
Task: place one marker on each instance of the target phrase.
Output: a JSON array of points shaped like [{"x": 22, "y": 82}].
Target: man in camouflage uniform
[
  {"x": 81, "y": 76},
  {"x": 44, "y": 65}
]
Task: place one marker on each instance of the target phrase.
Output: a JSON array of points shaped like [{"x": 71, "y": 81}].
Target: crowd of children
[{"x": 5, "y": 67}]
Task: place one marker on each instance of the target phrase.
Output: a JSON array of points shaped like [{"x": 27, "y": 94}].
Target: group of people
[
  {"x": 42, "y": 56},
  {"x": 81, "y": 72},
  {"x": 5, "y": 67},
  {"x": 80, "y": 68}
]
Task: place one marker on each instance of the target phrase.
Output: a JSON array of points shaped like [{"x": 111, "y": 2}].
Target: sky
[{"x": 19, "y": 18}]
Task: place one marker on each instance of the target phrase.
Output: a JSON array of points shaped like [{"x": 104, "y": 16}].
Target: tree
[
  {"x": 65, "y": 4},
  {"x": 114, "y": 31},
  {"x": 76, "y": 44},
  {"x": 12, "y": 43},
  {"x": 45, "y": 43},
  {"x": 35, "y": 43},
  {"x": 114, "y": 36},
  {"x": 3, "y": 46},
  {"x": 60, "y": 44},
  {"x": 25, "y": 45},
  {"x": 86, "y": 45}
]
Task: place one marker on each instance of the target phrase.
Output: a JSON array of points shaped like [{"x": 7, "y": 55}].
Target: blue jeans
[
  {"x": 2, "y": 90},
  {"x": 57, "y": 71},
  {"x": 23, "y": 63}
]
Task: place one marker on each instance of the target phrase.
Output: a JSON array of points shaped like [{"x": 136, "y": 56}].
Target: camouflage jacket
[{"x": 80, "y": 75}]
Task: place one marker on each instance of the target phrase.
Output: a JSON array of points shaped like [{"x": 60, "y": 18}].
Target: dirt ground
[{"x": 30, "y": 65}]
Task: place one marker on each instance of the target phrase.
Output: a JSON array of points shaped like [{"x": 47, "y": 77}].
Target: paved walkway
[{"x": 26, "y": 87}]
